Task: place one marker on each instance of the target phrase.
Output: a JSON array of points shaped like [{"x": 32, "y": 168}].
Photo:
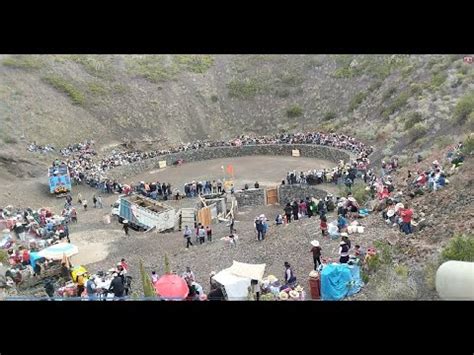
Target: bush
[
  {"x": 294, "y": 111},
  {"x": 66, "y": 87},
  {"x": 95, "y": 65},
  {"x": 22, "y": 62},
  {"x": 3, "y": 257},
  {"x": 152, "y": 68},
  {"x": 397, "y": 104},
  {"x": 360, "y": 193},
  {"x": 194, "y": 63},
  {"x": 10, "y": 140},
  {"x": 389, "y": 93},
  {"x": 97, "y": 88},
  {"x": 329, "y": 116},
  {"x": 412, "y": 119},
  {"x": 416, "y": 90},
  {"x": 464, "y": 107},
  {"x": 357, "y": 100},
  {"x": 438, "y": 79},
  {"x": 460, "y": 248},
  {"x": 244, "y": 89},
  {"x": 468, "y": 145},
  {"x": 417, "y": 131},
  {"x": 375, "y": 86},
  {"x": 214, "y": 98}
]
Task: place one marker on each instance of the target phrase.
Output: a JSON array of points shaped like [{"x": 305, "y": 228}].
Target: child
[
  {"x": 324, "y": 225},
  {"x": 279, "y": 219},
  {"x": 209, "y": 233},
  {"x": 359, "y": 253}
]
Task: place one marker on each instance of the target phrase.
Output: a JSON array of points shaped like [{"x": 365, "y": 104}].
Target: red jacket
[{"x": 406, "y": 215}]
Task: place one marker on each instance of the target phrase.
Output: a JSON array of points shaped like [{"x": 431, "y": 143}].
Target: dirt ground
[{"x": 267, "y": 170}]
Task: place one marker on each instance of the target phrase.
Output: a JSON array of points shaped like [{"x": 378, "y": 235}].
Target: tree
[{"x": 148, "y": 289}]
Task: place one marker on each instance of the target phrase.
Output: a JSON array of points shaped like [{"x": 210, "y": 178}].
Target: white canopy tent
[{"x": 236, "y": 279}]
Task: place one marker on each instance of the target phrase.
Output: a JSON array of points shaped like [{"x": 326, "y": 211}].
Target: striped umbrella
[{"x": 58, "y": 251}]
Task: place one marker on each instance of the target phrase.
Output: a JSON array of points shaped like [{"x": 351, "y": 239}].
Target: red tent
[{"x": 171, "y": 286}]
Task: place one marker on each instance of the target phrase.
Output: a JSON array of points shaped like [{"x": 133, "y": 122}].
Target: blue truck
[{"x": 59, "y": 180}]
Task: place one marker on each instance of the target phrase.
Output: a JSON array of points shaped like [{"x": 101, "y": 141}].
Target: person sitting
[{"x": 279, "y": 219}]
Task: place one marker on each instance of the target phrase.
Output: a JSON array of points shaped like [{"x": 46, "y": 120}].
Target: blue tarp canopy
[{"x": 339, "y": 281}]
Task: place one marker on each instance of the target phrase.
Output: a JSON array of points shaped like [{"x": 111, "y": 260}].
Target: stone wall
[
  {"x": 250, "y": 197},
  {"x": 306, "y": 150},
  {"x": 287, "y": 193}
]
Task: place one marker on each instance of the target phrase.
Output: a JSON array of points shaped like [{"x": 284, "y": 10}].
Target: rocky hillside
[{"x": 394, "y": 102}]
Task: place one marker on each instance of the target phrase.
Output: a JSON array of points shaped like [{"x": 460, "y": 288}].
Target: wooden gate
[
  {"x": 272, "y": 196},
  {"x": 205, "y": 216}
]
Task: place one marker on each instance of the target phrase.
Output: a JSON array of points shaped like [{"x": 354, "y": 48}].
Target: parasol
[
  {"x": 171, "y": 287},
  {"x": 57, "y": 251}
]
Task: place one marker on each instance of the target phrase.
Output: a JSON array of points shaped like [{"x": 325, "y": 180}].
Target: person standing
[
  {"x": 79, "y": 198},
  {"x": 94, "y": 201},
  {"x": 406, "y": 214},
  {"x": 324, "y": 226},
  {"x": 84, "y": 204},
  {"x": 209, "y": 233},
  {"x": 125, "y": 226},
  {"x": 99, "y": 202},
  {"x": 91, "y": 288},
  {"x": 288, "y": 211},
  {"x": 295, "y": 209},
  {"x": 187, "y": 235},
  {"x": 290, "y": 278},
  {"x": 343, "y": 253},
  {"x": 259, "y": 227},
  {"x": 202, "y": 235},
  {"x": 316, "y": 250},
  {"x": 189, "y": 275},
  {"x": 231, "y": 225},
  {"x": 117, "y": 287}
]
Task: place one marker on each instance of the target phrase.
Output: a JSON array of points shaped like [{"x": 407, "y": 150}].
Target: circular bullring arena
[{"x": 102, "y": 244}]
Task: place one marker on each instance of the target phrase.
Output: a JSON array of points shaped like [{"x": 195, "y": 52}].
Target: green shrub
[
  {"x": 343, "y": 73},
  {"x": 464, "y": 107},
  {"x": 214, "y": 98},
  {"x": 291, "y": 79},
  {"x": 10, "y": 140},
  {"x": 3, "y": 257},
  {"x": 97, "y": 88},
  {"x": 66, "y": 87},
  {"x": 375, "y": 86},
  {"x": 95, "y": 65},
  {"x": 468, "y": 144},
  {"x": 438, "y": 79},
  {"x": 389, "y": 93},
  {"x": 194, "y": 63},
  {"x": 22, "y": 62},
  {"x": 401, "y": 270},
  {"x": 412, "y": 119},
  {"x": 329, "y": 116},
  {"x": 282, "y": 92},
  {"x": 397, "y": 104},
  {"x": 360, "y": 193},
  {"x": 357, "y": 100},
  {"x": 152, "y": 68},
  {"x": 407, "y": 71},
  {"x": 460, "y": 247},
  {"x": 417, "y": 131},
  {"x": 294, "y": 111},
  {"x": 244, "y": 89},
  {"x": 416, "y": 90}
]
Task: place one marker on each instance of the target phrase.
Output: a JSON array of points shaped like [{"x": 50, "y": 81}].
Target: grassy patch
[
  {"x": 416, "y": 90},
  {"x": 407, "y": 71},
  {"x": 245, "y": 89},
  {"x": 330, "y": 115},
  {"x": 96, "y": 88},
  {"x": 10, "y": 140},
  {"x": 468, "y": 145},
  {"x": 357, "y": 100},
  {"x": 119, "y": 89},
  {"x": 375, "y": 86},
  {"x": 3, "y": 257},
  {"x": 360, "y": 193},
  {"x": 194, "y": 63},
  {"x": 294, "y": 111},
  {"x": 438, "y": 79},
  {"x": 464, "y": 107},
  {"x": 417, "y": 131},
  {"x": 22, "y": 62},
  {"x": 460, "y": 247},
  {"x": 152, "y": 68},
  {"x": 412, "y": 119},
  {"x": 443, "y": 141},
  {"x": 95, "y": 65},
  {"x": 66, "y": 87}
]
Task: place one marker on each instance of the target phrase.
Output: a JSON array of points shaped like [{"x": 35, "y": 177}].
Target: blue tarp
[{"x": 339, "y": 281}]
